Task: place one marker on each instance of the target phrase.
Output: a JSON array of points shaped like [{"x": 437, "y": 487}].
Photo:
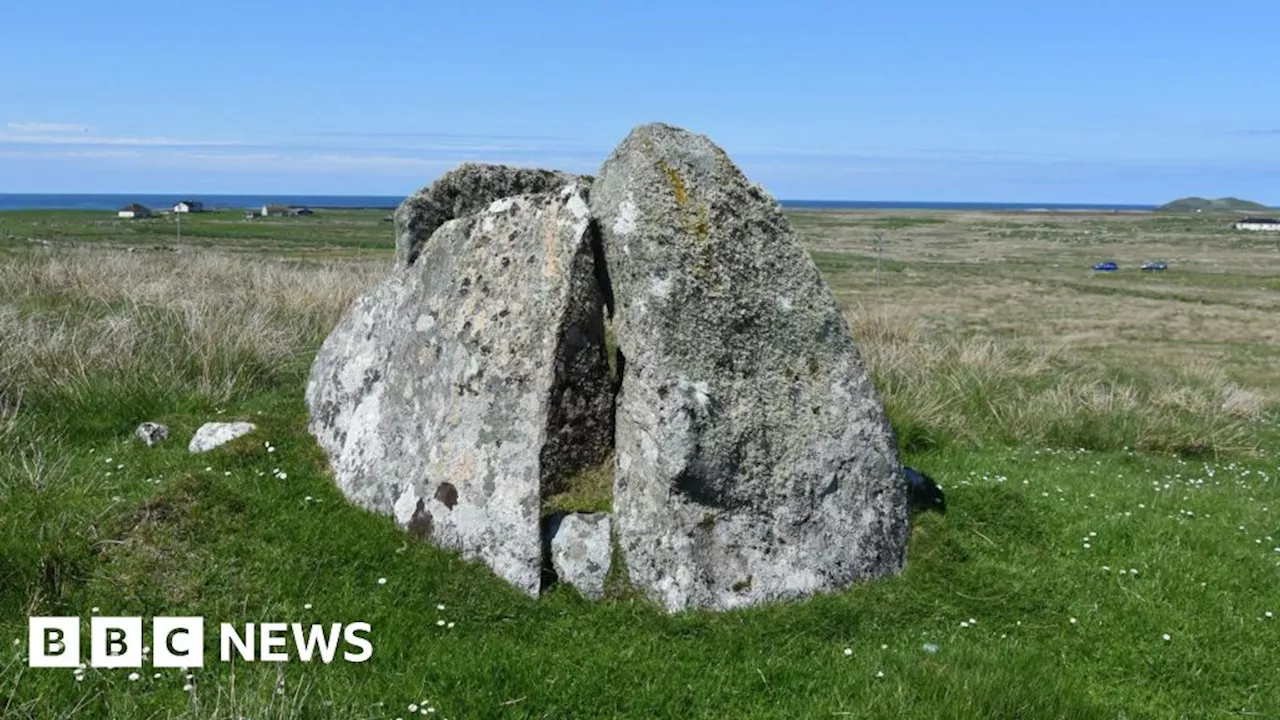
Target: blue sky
[{"x": 984, "y": 100}]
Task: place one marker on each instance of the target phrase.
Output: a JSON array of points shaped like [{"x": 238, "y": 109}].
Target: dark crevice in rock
[
  {"x": 580, "y": 420},
  {"x": 601, "y": 267},
  {"x": 550, "y": 526}
]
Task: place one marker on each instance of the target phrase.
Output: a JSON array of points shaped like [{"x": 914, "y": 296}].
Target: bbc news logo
[{"x": 179, "y": 642}]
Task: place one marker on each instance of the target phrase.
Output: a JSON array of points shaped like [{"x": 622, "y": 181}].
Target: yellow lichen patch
[{"x": 677, "y": 185}]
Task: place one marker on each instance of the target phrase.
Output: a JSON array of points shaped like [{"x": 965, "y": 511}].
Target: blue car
[{"x": 1108, "y": 266}]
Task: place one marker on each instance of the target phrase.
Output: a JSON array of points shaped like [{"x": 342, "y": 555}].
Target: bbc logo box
[
  {"x": 179, "y": 642},
  {"x": 115, "y": 642}
]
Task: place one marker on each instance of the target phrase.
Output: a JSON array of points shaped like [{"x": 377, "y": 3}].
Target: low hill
[{"x": 1199, "y": 204}]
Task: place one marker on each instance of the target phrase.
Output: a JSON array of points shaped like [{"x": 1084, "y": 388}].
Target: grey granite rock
[
  {"x": 467, "y": 189},
  {"x": 152, "y": 433},
  {"x": 755, "y": 460},
  {"x": 463, "y": 388},
  {"x": 217, "y": 434},
  {"x": 582, "y": 551}
]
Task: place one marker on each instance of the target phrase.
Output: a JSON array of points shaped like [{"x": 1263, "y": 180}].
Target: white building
[
  {"x": 1259, "y": 224},
  {"x": 188, "y": 206},
  {"x": 134, "y": 210}
]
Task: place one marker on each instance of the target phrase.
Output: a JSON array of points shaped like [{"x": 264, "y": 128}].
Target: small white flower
[
  {"x": 134, "y": 677},
  {"x": 271, "y": 449},
  {"x": 1167, "y": 637},
  {"x": 440, "y": 607},
  {"x": 283, "y": 476},
  {"x": 848, "y": 652},
  {"x": 930, "y": 648},
  {"x": 972, "y": 621},
  {"x": 440, "y": 623},
  {"x": 1268, "y": 614},
  {"x": 188, "y": 687},
  {"x": 450, "y": 626},
  {"x": 227, "y": 473},
  {"x": 1106, "y": 568},
  {"x": 156, "y": 676},
  {"x": 208, "y": 469},
  {"x": 1073, "y": 621},
  {"x": 884, "y": 647},
  {"x": 307, "y": 498},
  {"x": 191, "y": 676},
  {"x": 382, "y": 581},
  {"x": 94, "y": 609},
  {"x": 880, "y": 674},
  {"x": 1087, "y": 546},
  {"x": 413, "y": 708},
  {"x": 964, "y": 624},
  {"x": 1133, "y": 571},
  {"x": 307, "y": 606}
]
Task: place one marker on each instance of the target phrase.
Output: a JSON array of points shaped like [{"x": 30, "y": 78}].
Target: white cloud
[{"x": 40, "y": 127}]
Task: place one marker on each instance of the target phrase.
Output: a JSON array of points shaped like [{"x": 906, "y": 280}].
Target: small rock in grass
[
  {"x": 212, "y": 435},
  {"x": 152, "y": 433}
]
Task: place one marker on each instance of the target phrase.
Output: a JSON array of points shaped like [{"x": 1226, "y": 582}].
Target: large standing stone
[
  {"x": 464, "y": 387},
  {"x": 755, "y": 461},
  {"x": 460, "y": 192}
]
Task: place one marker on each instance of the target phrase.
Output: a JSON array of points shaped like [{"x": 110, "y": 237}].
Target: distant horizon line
[{"x": 784, "y": 201}]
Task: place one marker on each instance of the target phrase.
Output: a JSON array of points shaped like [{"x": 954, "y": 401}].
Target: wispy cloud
[
  {"x": 44, "y": 127},
  {"x": 1265, "y": 131},
  {"x": 30, "y": 138}
]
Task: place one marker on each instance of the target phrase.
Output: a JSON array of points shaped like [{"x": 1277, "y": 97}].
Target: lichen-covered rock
[
  {"x": 464, "y": 387},
  {"x": 582, "y": 551},
  {"x": 217, "y": 434},
  {"x": 467, "y": 189},
  {"x": 755, "y": 461},
  {"x": 152, "y": 433}
]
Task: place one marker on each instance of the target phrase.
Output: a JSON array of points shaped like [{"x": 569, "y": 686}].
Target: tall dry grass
[
  {"x": 979, "y": 389},
  {"x": 212, "y": 323},
  {"x": 92, "y": 329}
]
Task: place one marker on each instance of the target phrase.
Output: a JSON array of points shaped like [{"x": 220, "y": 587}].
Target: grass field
[{"x": 1108, "y": 445}]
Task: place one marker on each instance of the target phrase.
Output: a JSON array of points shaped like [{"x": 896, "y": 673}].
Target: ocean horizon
[{"x": 114, "y": 201}]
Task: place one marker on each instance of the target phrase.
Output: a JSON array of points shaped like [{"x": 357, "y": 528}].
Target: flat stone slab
[
  {"x": 582, "y": 551},
  {"x": 755, "y": 460},
  {"x": 217, "y": 434},
  {"x": 461, "y": 388}
]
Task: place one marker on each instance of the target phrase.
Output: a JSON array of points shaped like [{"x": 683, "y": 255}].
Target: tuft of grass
[{"x": 974, "y": 390}]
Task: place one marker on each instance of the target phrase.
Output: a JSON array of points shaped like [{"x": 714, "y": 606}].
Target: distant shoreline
[{"x": 110, "y": 202}]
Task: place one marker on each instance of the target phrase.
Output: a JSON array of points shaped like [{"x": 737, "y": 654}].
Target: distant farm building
[
  {"x": 134, "y": 210},
  {"x": 188, "y": 206},
  {"x": 1259, "y": 224},
  {"x": 285, "y": 211}
]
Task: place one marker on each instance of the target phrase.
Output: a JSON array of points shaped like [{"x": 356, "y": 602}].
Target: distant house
[
  {"x": 188, "y": 206},
  {"x": 134, "y": 210},
  {"x": 285, "y": 211},
  {"x": 1259, "y": 224}
]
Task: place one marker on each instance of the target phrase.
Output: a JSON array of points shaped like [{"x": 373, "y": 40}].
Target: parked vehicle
[
  {"x": 1155, "y": 265},
  {"x": 1108, "y": 266}
]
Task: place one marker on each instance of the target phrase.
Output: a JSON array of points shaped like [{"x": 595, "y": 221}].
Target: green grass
[{"x": 1033, "y": 473}]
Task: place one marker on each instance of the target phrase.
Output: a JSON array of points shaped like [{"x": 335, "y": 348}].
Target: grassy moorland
[{"x": 1108, "y": 445}]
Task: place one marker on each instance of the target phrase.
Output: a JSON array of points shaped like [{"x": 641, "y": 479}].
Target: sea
[{"x": 216, "y": 202}]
